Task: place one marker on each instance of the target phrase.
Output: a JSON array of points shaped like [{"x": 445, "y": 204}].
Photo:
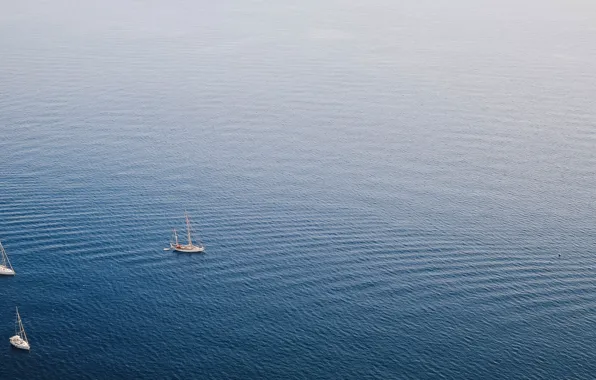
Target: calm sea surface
[{"x": 386, "y": 189}]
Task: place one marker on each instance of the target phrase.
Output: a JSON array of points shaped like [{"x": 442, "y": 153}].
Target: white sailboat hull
[
  {"x": 187, "y": 248},
  {"x": 18, "y": 342},
  {"x": 5, "y": 271}
]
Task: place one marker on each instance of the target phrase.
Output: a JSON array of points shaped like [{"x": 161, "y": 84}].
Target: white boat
[
  {"x": 20, "y": 339},
  {"x": 5, "y": 266},
  {"x": 187, "y": 248}
]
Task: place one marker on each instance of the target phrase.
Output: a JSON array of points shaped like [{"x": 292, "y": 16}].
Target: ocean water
[{"x": 386, "y": 190}]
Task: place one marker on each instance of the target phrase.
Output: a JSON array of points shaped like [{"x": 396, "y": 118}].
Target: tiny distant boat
[
  {"x": 5, "y": 267},
  {"x": 20, "y": 339},
  {"x": 186, "y": 248}
]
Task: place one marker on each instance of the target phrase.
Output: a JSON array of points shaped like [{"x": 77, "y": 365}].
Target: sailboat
[
  {"x": 20, "y": 338},
  {"x": 187, "y": 248},
  {"x": 5, "y": 267}
]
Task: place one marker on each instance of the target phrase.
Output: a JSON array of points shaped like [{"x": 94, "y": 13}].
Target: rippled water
[{"x": 385, "y": 190}]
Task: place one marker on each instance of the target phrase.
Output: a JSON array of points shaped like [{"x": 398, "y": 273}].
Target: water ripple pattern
[{"x": 385, "y": 190}]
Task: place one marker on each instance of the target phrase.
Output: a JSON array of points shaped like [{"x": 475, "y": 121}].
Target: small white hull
[
  {"x": 5, "y": 271},
  {"x": 187, "y": 248},
  {"x": 19, "y": 343}
]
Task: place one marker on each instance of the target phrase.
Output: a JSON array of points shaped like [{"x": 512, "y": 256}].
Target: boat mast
[
  {"x": 188, "y": 229},
  {"x": 21, "y": 332},
  {"x": 5, "y": 261},
  {"x": 17, "y": 325},
  {"x": 175, "y": 236},
  {"x": 24, "y": 336}
]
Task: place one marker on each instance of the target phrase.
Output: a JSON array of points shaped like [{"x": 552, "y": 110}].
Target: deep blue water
[{"x": 385, "y": 189}]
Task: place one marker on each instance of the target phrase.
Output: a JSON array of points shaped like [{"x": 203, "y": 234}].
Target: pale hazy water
[{"x": 384, "y": 189}]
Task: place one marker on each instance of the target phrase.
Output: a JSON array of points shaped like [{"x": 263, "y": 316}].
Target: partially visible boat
[
  {"x": 5, "y": 266},
  {"x": 186, "y": 248},
  {"x": 19, "y": 340}
]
